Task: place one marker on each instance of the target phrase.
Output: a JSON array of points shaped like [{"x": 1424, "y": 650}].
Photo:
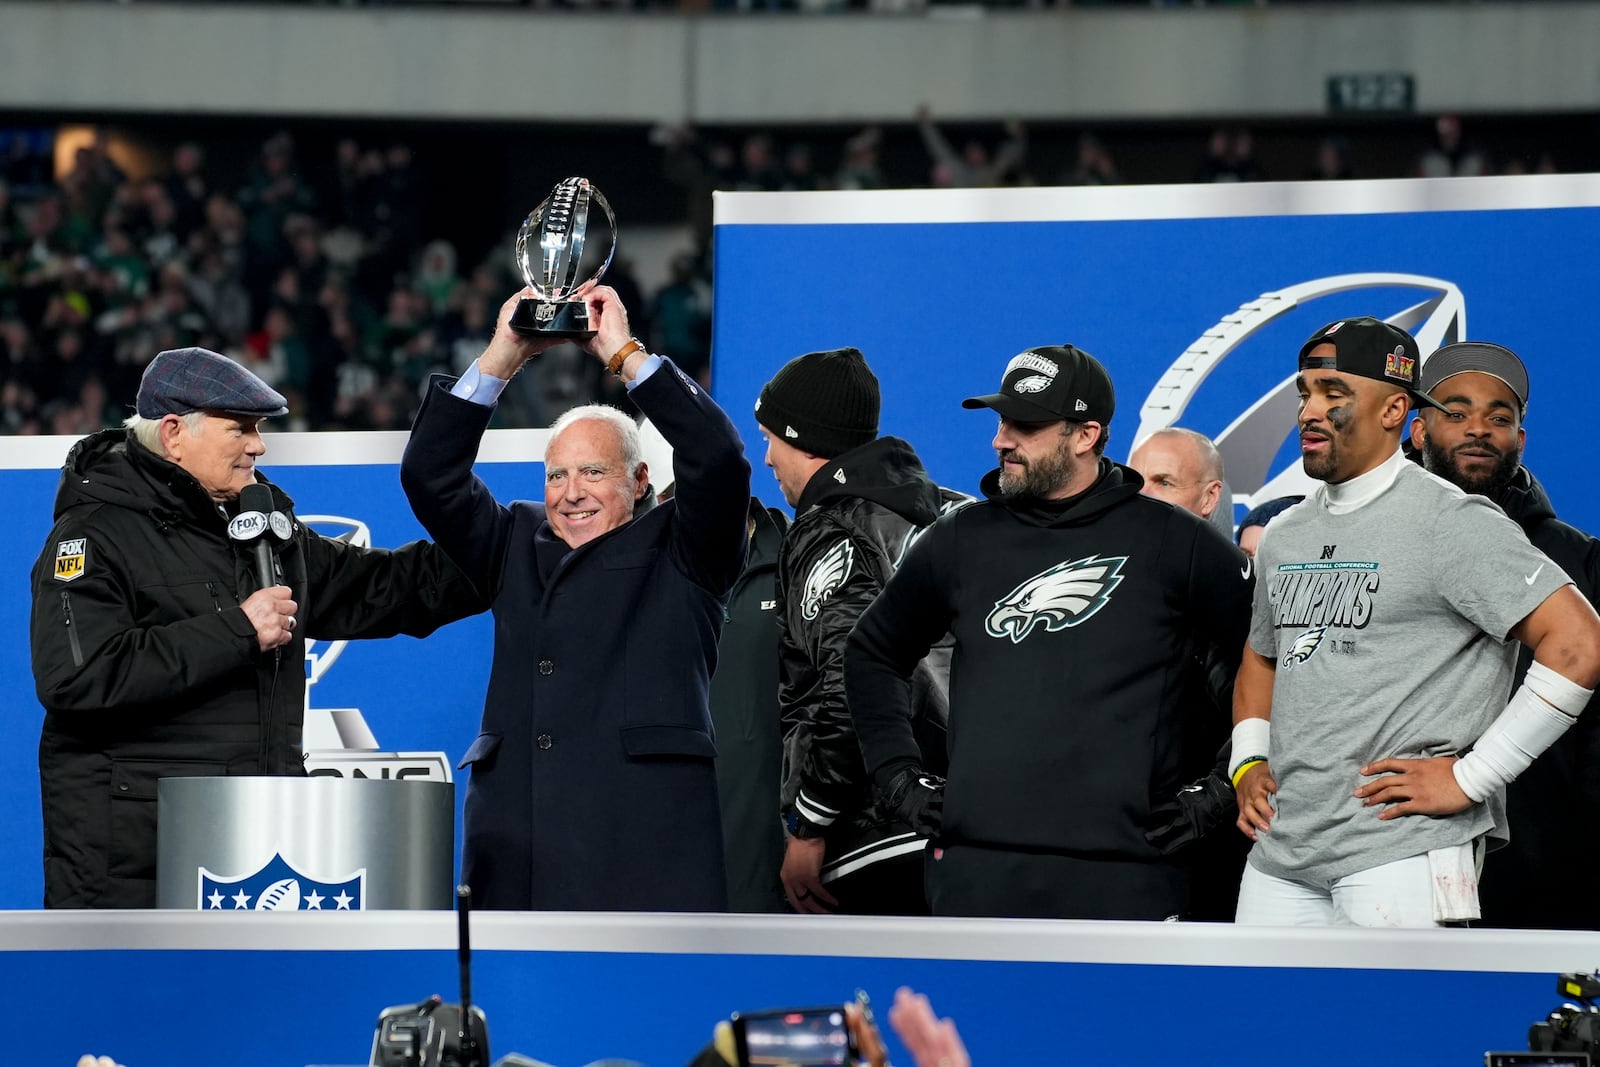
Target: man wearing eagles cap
[
  {"x": 1382, "y": 646},
  {"x": 1079, "y": 609},
  {"x": 858, "y": 500}
]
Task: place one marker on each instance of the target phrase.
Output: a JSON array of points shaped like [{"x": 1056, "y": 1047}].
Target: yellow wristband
[
  {"x": 614, "y": 364},
  {"x": 1245, "y": 766}
]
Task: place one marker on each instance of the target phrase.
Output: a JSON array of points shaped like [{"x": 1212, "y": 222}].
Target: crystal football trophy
[{"x": 550, "y": 247}]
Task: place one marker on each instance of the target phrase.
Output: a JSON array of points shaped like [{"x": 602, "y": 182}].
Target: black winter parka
[{"x": 148, "y": 668}]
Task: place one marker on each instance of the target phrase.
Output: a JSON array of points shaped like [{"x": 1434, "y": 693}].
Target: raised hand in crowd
[{"x": 932, "y": 1041}]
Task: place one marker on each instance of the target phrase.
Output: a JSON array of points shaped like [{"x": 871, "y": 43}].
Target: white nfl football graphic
[
  {"x": 1253, "y": 436},
  {"x": 282, "y": 895}
]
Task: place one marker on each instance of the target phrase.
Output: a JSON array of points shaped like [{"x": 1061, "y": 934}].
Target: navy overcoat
[{"x": 592, "y": 781}]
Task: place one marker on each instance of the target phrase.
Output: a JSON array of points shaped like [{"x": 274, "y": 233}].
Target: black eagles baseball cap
[{"x": 1049, "y": 383}]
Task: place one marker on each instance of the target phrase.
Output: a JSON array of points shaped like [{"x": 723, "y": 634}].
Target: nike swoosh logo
[
  {"x": 1529, "y": 579},
  {"x": 1244, "y": 572}
]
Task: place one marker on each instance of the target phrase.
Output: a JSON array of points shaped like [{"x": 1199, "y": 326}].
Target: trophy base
[{"x": 566, "y": 320}]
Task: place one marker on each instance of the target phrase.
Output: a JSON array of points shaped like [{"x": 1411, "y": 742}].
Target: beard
[
  {"x": 1323, "y": 465},
  {"x": 1490, "y": 483},
  {"x": 1039, "y": 478}
]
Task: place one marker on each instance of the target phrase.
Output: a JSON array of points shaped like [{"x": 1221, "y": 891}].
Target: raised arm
[
  {"x": 451, "y": 502},
  {"x": 709, "y": 469}
]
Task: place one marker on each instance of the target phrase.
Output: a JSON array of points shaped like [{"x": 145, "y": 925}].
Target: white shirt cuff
[
  {"x": 478, "y": 387},
  {"x": 647, "y": 368}
]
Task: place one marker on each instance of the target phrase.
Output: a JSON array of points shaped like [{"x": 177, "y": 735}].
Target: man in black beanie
[{"x": 859, "y": 499}]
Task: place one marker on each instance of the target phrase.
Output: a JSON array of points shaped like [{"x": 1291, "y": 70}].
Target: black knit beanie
[{"x": 824, "y": 403}]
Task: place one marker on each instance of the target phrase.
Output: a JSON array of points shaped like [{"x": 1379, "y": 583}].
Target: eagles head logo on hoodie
[{"x": 1065, "y": 595}]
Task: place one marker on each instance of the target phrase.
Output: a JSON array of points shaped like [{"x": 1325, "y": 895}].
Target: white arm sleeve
[
  {"x": 1540, "y": 711},
  {"x": 1250, "y": 739}
]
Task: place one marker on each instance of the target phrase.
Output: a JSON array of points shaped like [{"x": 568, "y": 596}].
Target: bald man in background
[{"x": 1184, "y": 468}]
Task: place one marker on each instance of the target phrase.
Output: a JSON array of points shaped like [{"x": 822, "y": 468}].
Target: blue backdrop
[{"x": 940, "y": 299}]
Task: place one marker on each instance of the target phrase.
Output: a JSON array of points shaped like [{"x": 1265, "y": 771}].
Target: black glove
[
  {"x": 1193, "y": 813},
  {"x": 917, "y": 799}
]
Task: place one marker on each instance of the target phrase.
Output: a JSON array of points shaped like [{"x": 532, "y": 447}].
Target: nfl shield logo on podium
[{"x": 279, "y": 887}]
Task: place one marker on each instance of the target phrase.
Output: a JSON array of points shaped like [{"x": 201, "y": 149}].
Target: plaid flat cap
[{"x": 197, "y": 379}]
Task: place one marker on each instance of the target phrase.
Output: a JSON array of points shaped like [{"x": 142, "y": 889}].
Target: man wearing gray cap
[
  {"x": 1080, "y": 611},
  {"x": 158, "y": 649},
  {"x": 1476, "y": 443}
]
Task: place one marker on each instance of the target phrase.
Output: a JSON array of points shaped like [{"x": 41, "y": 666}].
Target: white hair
[
  {"x": 627, "y": 432},
  {"x": 148, "y": 431}
]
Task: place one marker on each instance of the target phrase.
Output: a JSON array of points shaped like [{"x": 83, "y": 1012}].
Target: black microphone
[
  {"x": 259, "y": 528},
  {"x": 473, "y": 1027}
]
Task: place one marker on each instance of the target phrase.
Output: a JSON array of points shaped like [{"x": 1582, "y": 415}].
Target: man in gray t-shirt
[{"x": 1381, "y": 647}]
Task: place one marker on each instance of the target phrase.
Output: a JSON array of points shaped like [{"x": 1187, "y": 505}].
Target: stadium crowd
[{"x": 321, "y": 275}]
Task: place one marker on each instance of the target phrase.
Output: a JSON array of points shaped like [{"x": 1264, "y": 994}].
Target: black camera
[
  {"x": 1571, "y": 1027},
  {"x": 430, "y": 1034},
  {"x": 433, "y": 1033}
]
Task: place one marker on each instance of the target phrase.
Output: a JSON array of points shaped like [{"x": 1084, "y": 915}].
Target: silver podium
[{"x": 304, "y": 844}]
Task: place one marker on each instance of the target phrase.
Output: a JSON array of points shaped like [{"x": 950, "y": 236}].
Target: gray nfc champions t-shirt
[{"x": 1387, "y": 628}]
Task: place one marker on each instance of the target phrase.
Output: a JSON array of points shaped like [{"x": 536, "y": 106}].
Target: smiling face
[
  {"x": 220, "y": 451},
  {"x": 1348, "y": 424},
  {"x": 588, "y": 489},
  {"x": 1477, "y": 443}
]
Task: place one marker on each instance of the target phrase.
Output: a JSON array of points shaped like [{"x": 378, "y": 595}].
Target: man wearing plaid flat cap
[
  {"x": 1383, "y": 640},
  {"x": 158, "y": 649}
]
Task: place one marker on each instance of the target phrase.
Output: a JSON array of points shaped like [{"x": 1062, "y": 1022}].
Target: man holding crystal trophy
[{"x": 592, "y": 782}]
